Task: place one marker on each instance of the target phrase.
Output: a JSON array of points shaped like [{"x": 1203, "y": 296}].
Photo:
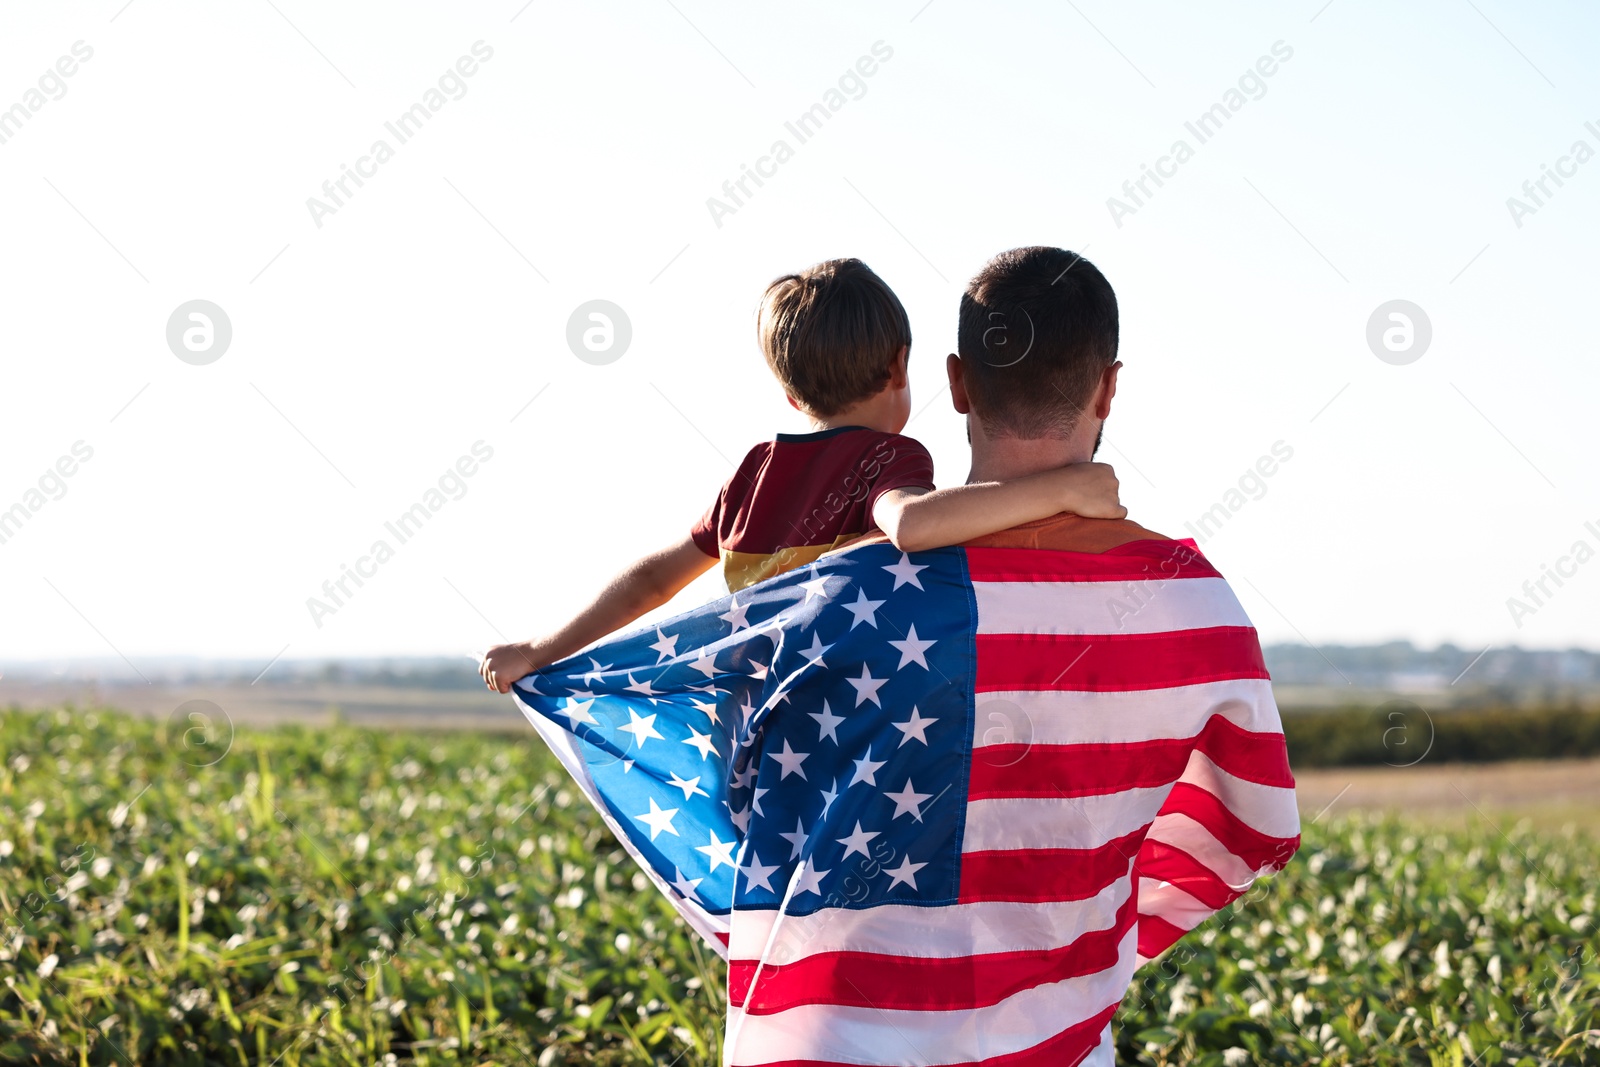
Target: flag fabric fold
[{"x": 934, "y": 809}]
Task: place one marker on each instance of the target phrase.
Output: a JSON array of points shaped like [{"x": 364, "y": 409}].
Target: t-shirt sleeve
[
  {"x": 902, "y": 463},
  {"x": 704, "y": 533}
]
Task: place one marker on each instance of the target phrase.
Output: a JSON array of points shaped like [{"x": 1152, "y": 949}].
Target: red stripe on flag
[
  {"x": 1137, "y": 561},
  {"x": 1167, "y": 863},
  {"x": 1023, "y": 770},
  {"x": 1255, "y": 848},
  {"x": 1117, "y": 662},
  {"x": 1036, "y": 875},
  {"x": 1156, "y": 935},
  {"x": 912, "y": 983}
]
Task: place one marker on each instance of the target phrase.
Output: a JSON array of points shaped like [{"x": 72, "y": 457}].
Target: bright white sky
[{"x": 369, "y": 354}]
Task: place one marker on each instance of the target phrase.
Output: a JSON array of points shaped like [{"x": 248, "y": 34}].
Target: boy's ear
[
  {"x": 955, "y": 371},
  {"x": 898, "y": 378},
  {"x": 794, "y": 403}
]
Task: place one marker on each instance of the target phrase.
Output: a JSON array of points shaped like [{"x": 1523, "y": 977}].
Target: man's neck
[{"x": 1001, "y": 458}]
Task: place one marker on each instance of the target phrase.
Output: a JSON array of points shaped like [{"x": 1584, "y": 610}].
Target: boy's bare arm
[
  {"x": 645, "y": 585},
  {"x": 917, "y": 519}
]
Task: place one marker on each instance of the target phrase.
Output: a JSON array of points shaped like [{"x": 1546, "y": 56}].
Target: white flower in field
[
  {"x": 49, "y": 1029},
  {"x": 510, "y": 925},
  {"x": 1314, "y": 944},
  {"x": 1392, "y": 952},
  {"x": 624, "y": 942},
  {"x": 192, "y": 857},
  {"x": 6, "y": 848},
  {"x": 1235, "y": 1056},
  {"x": 1441, "y": 959},
  {"x": 47, "y": 966},
  {"x": 34, "y": 810},
  {"x": 101, "y": 866},
  {"x": 362, "y": 843},
  {"x": 1580, "y": 923},
  {"x": 1300, "y": 1007},
  {"x": 76, "y": 882},
  {"x": 1494, "y": 969},
  {"x": 583, "y": 1011},
  {"x": 1261, "y": 1009}
]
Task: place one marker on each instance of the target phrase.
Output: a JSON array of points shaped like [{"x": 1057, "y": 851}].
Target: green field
[{"x": 343, "y": 896}]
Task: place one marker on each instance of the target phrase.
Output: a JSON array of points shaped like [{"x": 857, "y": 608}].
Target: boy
[{"x": 837, "y": 339}]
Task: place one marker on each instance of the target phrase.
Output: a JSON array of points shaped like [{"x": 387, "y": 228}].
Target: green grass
[{"x": 346, "y": 896}]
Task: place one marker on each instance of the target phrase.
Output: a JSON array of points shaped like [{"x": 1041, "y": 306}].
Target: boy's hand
[
  {"x": 504, "y": 664},
  {"x": 1090, "y": 490}
]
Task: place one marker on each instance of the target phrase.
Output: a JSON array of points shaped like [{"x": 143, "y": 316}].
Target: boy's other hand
[
  {"x": 1090, "y": 490},
  {"x": 504, "y": 664}
]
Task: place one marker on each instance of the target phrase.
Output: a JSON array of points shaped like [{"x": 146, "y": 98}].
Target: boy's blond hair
[{"x": 831, "y": 334}]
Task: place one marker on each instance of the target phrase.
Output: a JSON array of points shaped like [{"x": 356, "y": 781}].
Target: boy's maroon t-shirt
[{"x": 796, "y": 497}]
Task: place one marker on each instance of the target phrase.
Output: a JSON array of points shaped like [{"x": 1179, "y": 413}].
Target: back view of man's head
[{"x": 1038, "y": 347}]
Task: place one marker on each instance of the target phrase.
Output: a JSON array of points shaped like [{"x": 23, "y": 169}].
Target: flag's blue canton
[{"x": 809, "y": 736}]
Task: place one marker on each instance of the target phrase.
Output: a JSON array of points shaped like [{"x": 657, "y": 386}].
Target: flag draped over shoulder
[{"x": 935, "y": 809}]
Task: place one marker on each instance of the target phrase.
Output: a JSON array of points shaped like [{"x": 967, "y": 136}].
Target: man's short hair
[
  {"x": 1038, "y": 328},
  {"x": 831, "y": 334}
]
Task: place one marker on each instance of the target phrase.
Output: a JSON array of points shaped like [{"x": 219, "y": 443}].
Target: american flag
[{"x": 937, "y": 808}]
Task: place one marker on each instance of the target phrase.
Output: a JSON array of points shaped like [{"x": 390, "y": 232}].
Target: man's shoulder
[{"x": 1069, "y": 533}]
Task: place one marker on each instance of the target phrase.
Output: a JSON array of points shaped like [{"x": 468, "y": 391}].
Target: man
[{"x": 944, "y": 821}]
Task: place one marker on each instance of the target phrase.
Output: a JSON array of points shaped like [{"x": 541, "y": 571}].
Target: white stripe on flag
[
  {"x": 1267, "y": 809},
  {"x": 1142, "y": 607},
  {"x": 1167, "y": 901},
  {"x": 1059, "y": 822},
  {"x": 932, "y": 933},
  {"x": 1077, "y": 717}
]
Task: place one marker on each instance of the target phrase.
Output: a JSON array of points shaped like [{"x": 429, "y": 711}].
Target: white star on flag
[
  {"x": 808, "y": 879},
  {"x": 906, "y": 802},
  {"x": 817, "y": 587},
  {"x": 789, "y": 760},
  {"x": 578, "y": 711},
  {"x": 905, "y": 571},
  {"x": 758, "y": 671},
  {"x": 658, "y": 819},
  {"x": 741, "y": 818},
  {"x": 590, "y": 676},
  {"x": 867, "y": 769},
  {"x": 755, "y": 799},
  {"x": 686, "y": 886},
  {"x": 857, "y": 842},
  {"x": 705, "y": 663},
  {"x": 905, "y": 873},
  {"x": 829, "y": 795},
  {"x": 916, "y": 726},
  {"x": 666, "y": 646},
  {"x": 864, "y": 610},
  {"x": 702, "y": 742},
  {"x": 641, "y": 729},
  {"x": 796, "y": 839},
  {"x": 828, "y": 722},
  {"x": 758, "y": 873},
  {"x": 690, "y": 787},
  {"x": 735, "y": 616},
  {"x": 813, "y": 654},
  {"x": 708, "y": 707},
  {"x": 719, "y": 852},
  {"x": 911, "y": 650},
  {"x": 867, "y": 687}
]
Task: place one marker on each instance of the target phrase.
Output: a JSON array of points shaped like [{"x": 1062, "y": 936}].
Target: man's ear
[
  {"x": 1106, "y": 390},
  {"x": 955, "y": 371}
]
